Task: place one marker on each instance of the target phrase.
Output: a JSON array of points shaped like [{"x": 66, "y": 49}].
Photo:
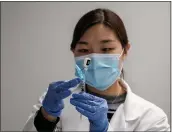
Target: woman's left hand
[{"x": 93, "y": 107}]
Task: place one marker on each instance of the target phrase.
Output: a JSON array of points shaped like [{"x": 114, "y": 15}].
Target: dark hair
[{"x": 100, "y": 16}]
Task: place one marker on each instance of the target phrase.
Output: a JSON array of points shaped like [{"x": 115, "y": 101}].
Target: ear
[{"x": 126, "y": 50}]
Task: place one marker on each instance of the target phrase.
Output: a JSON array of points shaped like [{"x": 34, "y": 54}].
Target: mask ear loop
[
  {"x": 119, "y": 77},
  {"x": 121, "y": 53},
  {"x": 120, "y": 63}
]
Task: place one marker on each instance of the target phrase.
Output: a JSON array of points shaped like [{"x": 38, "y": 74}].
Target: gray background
[{"x": 36, "y": 37}]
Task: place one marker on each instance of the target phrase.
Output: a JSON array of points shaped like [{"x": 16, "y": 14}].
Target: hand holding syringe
[{"x": 58, "y": 91}]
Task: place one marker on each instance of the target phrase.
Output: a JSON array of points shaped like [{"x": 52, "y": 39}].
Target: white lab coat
[{"x": 135, "y": 114}]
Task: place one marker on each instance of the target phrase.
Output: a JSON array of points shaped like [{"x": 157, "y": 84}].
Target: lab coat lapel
[
  {"x": 125, "y": 114},
  {"x": 129, "y": 104},
  {"x": 117, "y": 122}
]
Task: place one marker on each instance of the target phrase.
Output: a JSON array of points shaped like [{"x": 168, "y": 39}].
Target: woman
[{"x": 107, "y": 104}]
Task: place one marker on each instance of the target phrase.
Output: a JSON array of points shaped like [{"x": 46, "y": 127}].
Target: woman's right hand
[{"x": 57, "y": 91}]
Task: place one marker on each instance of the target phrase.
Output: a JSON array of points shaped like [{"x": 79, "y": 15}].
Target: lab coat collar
[{"x": 130, "y": 109}]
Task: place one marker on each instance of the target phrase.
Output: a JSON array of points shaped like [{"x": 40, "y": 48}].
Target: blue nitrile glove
[
  {"x": 57, "y": 91},
  {"x": 93, "y": 107}
]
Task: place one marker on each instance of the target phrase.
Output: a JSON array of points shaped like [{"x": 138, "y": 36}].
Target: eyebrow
[
  {"x": 107, "y": 41},
  {"x": 83, "y": 42},
  {"x": 102, "y": 41}
]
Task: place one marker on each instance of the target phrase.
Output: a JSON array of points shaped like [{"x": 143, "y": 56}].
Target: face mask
[{"x": 103, "y": 70}]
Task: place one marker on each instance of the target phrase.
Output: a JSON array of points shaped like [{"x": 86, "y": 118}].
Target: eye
[
  {"x": 107, "y": 49},
  {"x": 83, "y": 50}
]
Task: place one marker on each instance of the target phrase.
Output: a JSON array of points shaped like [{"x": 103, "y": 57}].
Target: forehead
[{"x": 97, "y": 32}]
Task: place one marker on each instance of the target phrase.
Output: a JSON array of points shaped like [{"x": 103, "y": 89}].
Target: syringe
[{"x": 82, "y": 75}]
